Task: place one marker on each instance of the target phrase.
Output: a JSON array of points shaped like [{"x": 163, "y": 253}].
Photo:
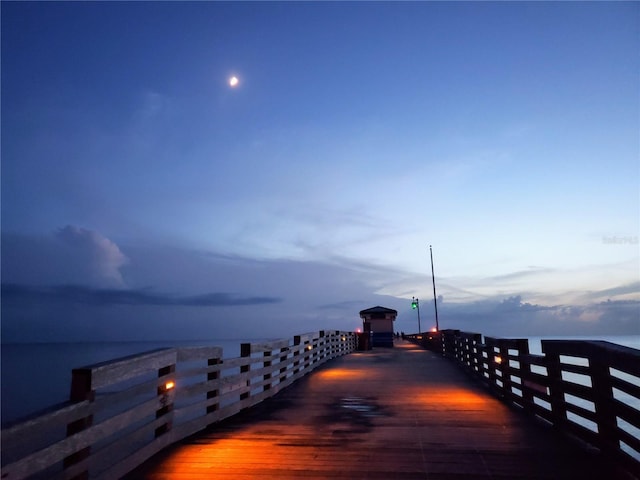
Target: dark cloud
[
  {"x": 532, "y": 271},
  {"x": 349, "y": 305},
  {"x": 91, "y": 296},
  {"x": 631, "y": 288}
]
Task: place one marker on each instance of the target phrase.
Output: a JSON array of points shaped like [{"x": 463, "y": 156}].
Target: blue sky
[{"x": 143, "y": 197}]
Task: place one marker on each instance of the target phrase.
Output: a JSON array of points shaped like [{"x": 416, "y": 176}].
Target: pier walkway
[{"x": 400, "y": 413}]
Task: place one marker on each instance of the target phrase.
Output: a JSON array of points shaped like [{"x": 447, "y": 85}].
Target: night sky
[{"x": 145, "y": 197}]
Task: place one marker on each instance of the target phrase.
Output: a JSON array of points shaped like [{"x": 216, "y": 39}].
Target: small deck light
[
  {"x": 169, "y": 385},
  {"x": 498, "y": 359}
]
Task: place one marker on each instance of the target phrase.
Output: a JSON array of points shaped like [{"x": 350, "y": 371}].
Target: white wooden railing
[
  {"x": 123, "y": 411},
  {"x": 587, "y": 389}
]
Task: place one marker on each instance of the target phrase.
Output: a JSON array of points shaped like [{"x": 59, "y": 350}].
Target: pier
[{"x": 450, "y": 405}]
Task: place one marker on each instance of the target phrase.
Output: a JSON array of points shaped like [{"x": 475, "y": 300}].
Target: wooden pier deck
[{"x": 400, "y": 413}]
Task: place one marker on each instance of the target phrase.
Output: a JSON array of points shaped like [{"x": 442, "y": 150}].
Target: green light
[{"x": 414, "y": 305}]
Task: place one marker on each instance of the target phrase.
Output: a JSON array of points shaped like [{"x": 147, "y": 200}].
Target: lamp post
[{"x": 415, "y": 304}]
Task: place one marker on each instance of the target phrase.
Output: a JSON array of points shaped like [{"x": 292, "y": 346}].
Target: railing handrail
[
  {"x": 123, "y": 411},
  {"x": 543, "y": 386}
]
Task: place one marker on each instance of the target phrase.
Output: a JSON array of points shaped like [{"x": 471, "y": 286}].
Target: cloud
[
  {"x": 74, "y": 294},
  {"x": 619, "y": 291},
  {"x": 71, "y": 255},
  {"x": 522, "y": 274},
  {"x": 346, "y": 305},
  {"x": 94, "y": 255}
]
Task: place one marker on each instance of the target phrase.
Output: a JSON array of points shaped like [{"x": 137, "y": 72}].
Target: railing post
[
  {"x": 81, "y": 390},
  {"x": 296, "y": 353},
  {"x": 481, "y": 350},
  {"x": 332, "y": 345},
  {"x": 449, "y": 343},
  {"x": 459, "y": 346},
  {"x": 266, "y": 376},
  {"x": 245, "y": 352},
  {"x": 319, "y": 353},
  {"x": 308, "y": 347},
  {"x": 603, "y": 399},
  {"x": 494, "y": 363},
  {"x": 284, "y": 353},
  {"x": 345, "y": 346},
  {"x": 503, "y": 367},
  {"x": 525, "y": 374},
  {"x": 165, "y": 391},
  {"x": 464, "y": 344},
  {"x": 213, "y": 403},
  {"x": 556, "y": 390}
]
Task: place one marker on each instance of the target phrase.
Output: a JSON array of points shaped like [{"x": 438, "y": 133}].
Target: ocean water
[{"x": 36, "y": 376}]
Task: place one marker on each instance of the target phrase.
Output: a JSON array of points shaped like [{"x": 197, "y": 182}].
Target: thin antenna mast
[{"x": 435, "y": 301}]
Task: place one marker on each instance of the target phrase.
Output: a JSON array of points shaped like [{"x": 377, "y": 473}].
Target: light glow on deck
[{"x": 343, "y": 373}]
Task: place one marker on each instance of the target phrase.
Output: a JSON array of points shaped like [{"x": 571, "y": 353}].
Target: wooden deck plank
[{"x": 388, "y": 413}]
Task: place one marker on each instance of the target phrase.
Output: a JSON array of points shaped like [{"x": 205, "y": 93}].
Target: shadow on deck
[{"x": 383, "y": 414}]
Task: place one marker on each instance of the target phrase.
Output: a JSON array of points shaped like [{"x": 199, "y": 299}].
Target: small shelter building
[{"x": 378, "y": 323}]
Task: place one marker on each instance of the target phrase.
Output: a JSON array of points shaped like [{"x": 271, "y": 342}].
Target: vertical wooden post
[
  {"x": 213, "y": 393},
  {"x": 449, "y": 343},
  {"x": 466, "y": 352},
  {"x": 492, "y": 366},
  {"x": 307, "y": 354},
  {"x": 81, "y": 390},
  {"x": 459, "y": 346},
  {"x": 284, "y": 353},
  {"x": 333, "y": 345},
  {"x": 556, "y": 390},
  {"x": 296, "y": 353},
  {"x": 603, "y": 399},
  {"x": 320, "y": 352},
  {"x": 482, "y": 350},
  {"x": 477, "y": 355},
  {"x": 503, "y": 367},
  {"x": 525, "y": 374},
  {"x": 245, "y": 352},
  {"x": 266, "y": 376},
  {"x": 165, "y": 393}
]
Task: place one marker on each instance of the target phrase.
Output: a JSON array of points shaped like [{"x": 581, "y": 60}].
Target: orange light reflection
[
  {"x": 448, "y": 398},
  {"x": 341, "y": 374}
]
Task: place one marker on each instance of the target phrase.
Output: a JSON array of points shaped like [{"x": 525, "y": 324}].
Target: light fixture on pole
[{"x": 415, "y": 304}]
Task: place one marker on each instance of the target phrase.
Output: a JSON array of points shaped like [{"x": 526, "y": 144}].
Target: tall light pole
[
  {"x": 435, "y": 301},
  {"x": 415, "y": 304}
]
